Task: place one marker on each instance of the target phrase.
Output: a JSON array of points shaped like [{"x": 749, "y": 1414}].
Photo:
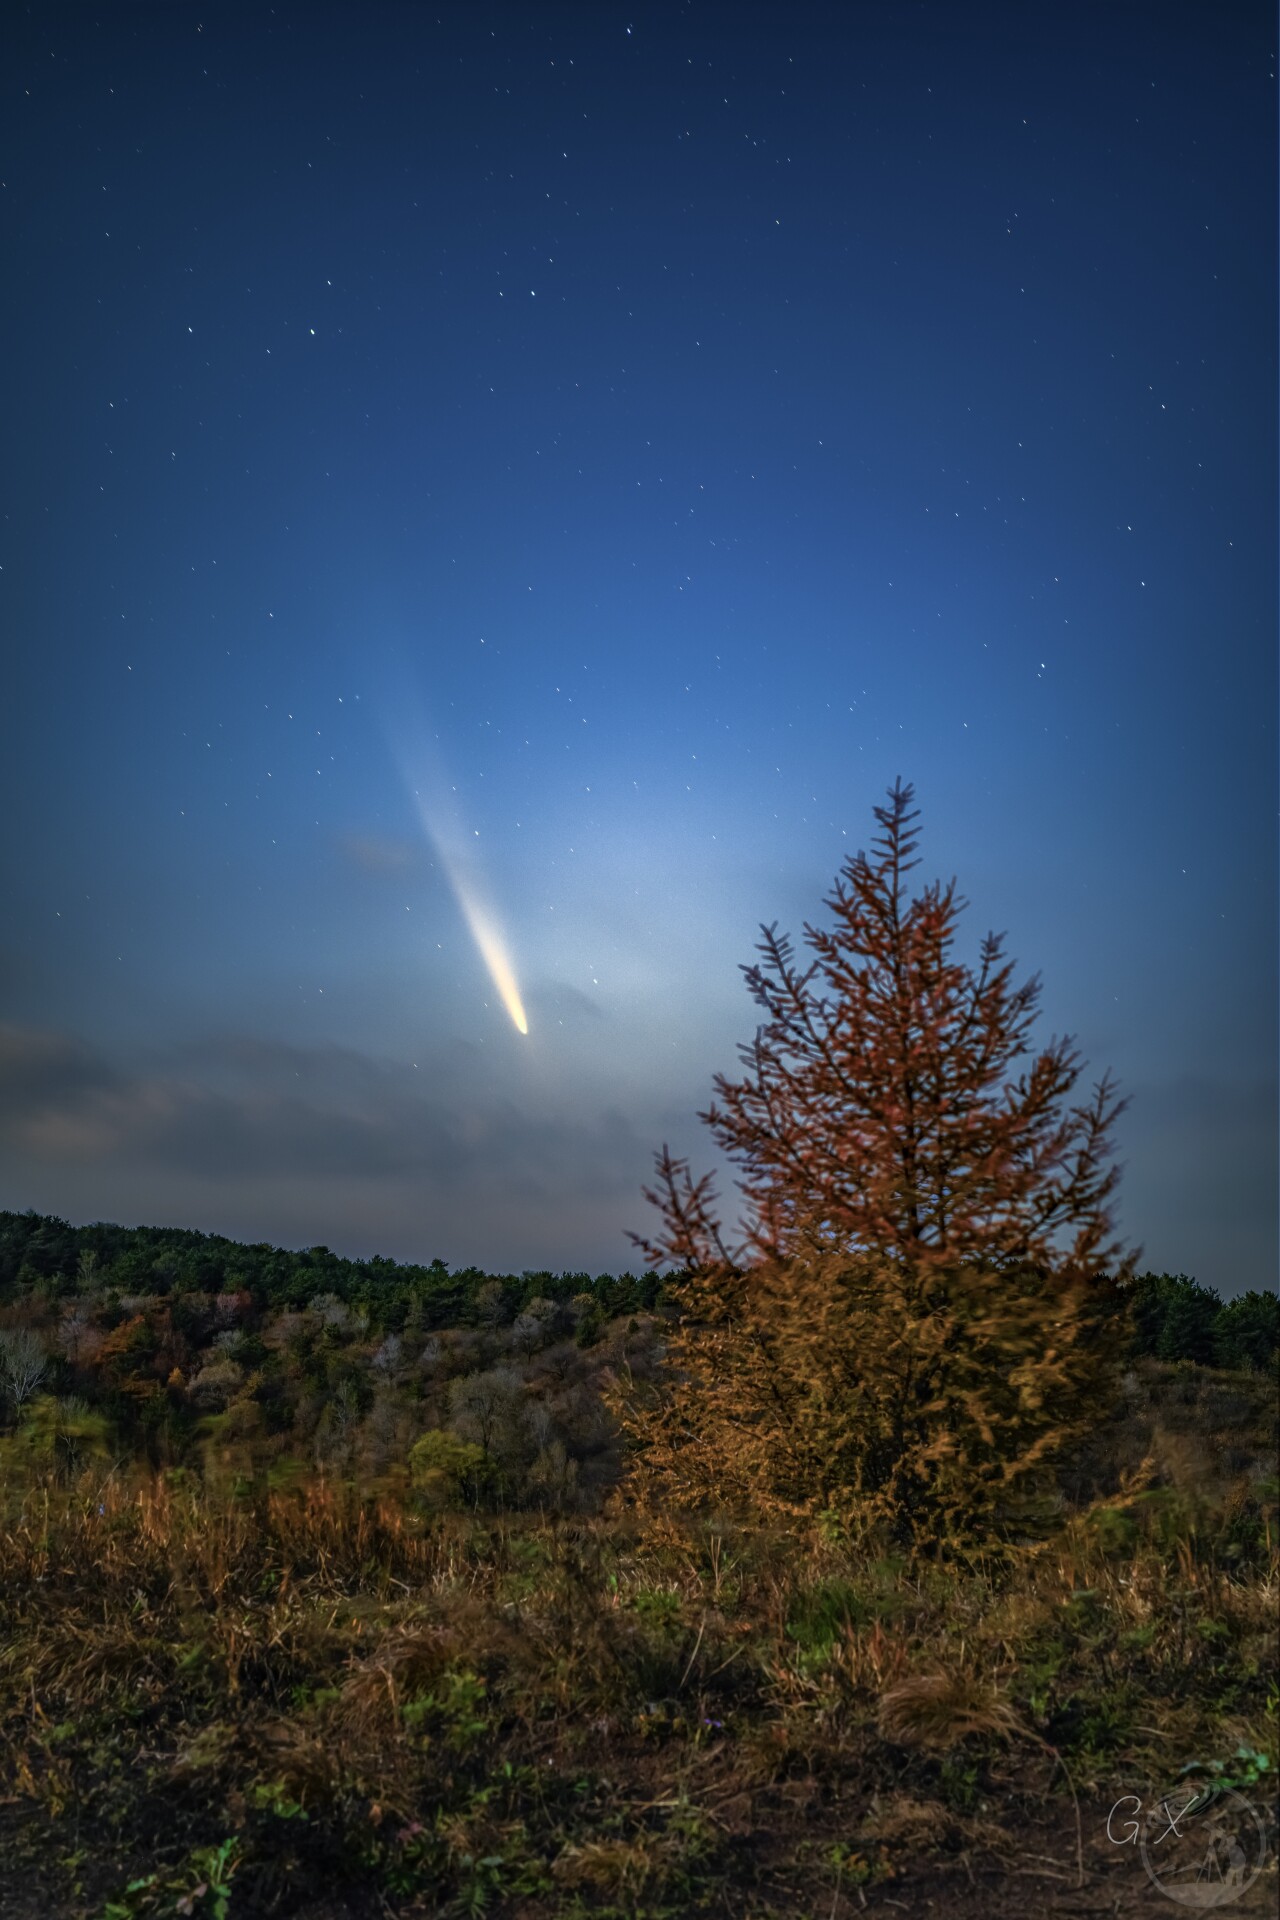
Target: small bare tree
[
  {"x": 488, "y": 1407},
  {"x": 23, "y": 1364}
]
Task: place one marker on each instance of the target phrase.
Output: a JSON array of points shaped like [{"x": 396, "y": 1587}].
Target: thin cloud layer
[{"x": 231, "y": 1115}]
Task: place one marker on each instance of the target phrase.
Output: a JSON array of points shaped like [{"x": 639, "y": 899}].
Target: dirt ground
[
  {"x": 1040, "y": 1876},
  {"x": 1043, "y": 1877}
]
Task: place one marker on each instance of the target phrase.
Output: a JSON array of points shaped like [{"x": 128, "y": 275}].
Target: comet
[
  {"x": 488, "y": 938},
  {"x": 438, "y": 816}
]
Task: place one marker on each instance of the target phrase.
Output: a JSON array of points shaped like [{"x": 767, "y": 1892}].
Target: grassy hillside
[{"x": 312, "y": 1606}]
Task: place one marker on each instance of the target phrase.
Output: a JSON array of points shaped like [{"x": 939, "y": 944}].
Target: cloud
[
  {"x": 39, "y": 1068},
  {"x": 240, "y": 1118},
  {"x": 266, "y": 1140}
]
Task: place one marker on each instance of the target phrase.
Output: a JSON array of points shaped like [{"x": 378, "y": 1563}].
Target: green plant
[
  {"x": 272, "y": 1796},
  {"x": 818, "y": 1615},
  {"x": 959, "y": 1783},
  {"x": 215, "y": 1867},
  {"x": 853, "y": 1868},
  {"x": 1246, "y": 1768},
  {"x": 456, "y": 1703},
  {"x": 658, "y": 1607},
  {"x": 481, "y": 1883},
  {"x": 127, "y": 1906}
]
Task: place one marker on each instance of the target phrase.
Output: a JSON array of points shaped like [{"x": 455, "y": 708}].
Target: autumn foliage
[{"x": 906, "y": 1326}]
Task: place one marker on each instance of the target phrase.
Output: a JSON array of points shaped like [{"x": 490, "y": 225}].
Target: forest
[{"x": 170, "y": 1345}]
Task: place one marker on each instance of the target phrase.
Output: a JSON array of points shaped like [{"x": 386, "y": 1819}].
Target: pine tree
[{"x": 908, "y": 1322}]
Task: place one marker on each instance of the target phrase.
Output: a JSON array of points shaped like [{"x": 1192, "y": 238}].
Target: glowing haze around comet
[{"x": 438, "y": 816}]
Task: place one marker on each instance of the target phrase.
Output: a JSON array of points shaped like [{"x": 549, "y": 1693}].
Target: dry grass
[
  {"x": 938, "y": 1711},
  {"x": 438, "y": 1714},
  {"x": 906, "y": 1824}
]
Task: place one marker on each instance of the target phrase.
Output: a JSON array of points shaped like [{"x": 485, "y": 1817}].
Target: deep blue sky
[{"x": 664, "y": 427}]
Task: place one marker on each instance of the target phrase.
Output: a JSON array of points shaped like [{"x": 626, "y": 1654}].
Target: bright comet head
[{"x": 492, "y": 952}]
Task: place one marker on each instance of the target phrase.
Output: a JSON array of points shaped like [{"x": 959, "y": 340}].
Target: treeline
[
  {"x": 44, "y": 1255},
  {"x": 1172, "y": 1317}
]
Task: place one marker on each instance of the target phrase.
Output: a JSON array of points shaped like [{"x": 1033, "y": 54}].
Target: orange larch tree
[{"x": 906, "y": 1322}]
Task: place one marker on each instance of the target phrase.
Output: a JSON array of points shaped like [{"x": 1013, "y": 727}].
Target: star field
[{"x": 571, "y": 462}]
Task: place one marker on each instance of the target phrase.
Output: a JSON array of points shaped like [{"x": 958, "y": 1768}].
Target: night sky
[{"x": 541, "y": 472}]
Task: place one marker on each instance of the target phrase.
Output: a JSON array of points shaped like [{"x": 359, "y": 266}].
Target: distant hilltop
[
  {"x": 40, "y": 1251},
  {"x": 1174, "y": 1318}
]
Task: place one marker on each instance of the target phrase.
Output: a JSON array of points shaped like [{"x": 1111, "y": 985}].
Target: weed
[
  {"x": 212, "y": 1893},
  {"x": 130, "y": 1900},
  {"x": 274, "y": 1797},
  {"x": 1246, "y": 1769},
  {"x": 818, "y": 1615},
  {"x": 658, "y": 1607},
  {"x": 854, "y": 1868}
]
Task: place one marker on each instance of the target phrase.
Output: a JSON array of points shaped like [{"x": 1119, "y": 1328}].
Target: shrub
[{"x": 447, "y": 1470}]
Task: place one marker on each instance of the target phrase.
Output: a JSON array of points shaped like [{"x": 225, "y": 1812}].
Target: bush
[{"x": 447, "y": 1470}]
